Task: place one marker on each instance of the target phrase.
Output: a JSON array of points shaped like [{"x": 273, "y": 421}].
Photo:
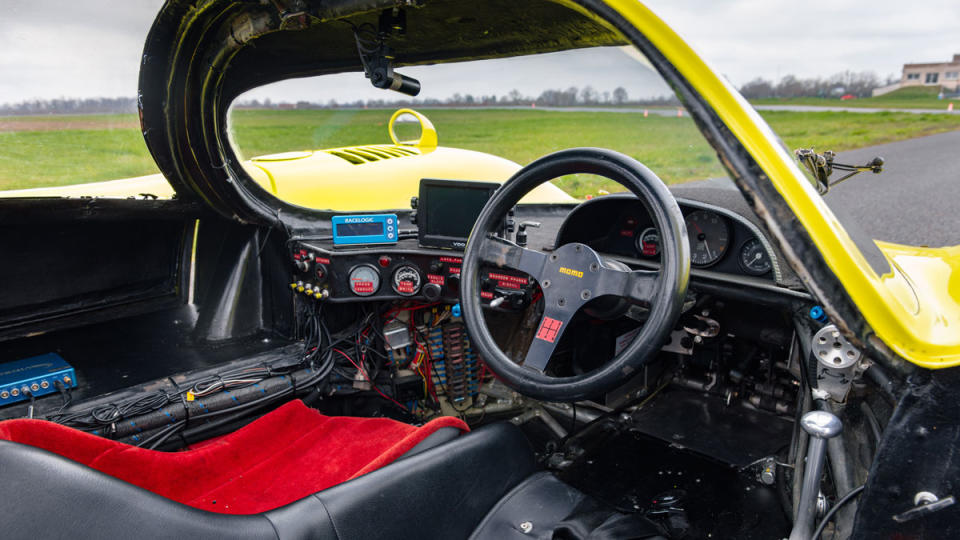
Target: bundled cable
[
  {"x": 199, "y": 398},
  {"x": 105, "y": 415},
  {"x": 149, "y": 419}
]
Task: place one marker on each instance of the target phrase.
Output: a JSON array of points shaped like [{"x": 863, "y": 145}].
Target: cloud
[
  {"x": 92, "y": 48},
  {"x": 745, "y": 39},
  {"x": 74, "y": 49}
]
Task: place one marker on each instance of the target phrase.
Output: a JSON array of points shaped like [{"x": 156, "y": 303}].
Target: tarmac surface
[
  {"x": 915, "y": 200},
  {"x": 818, "y": 108}
]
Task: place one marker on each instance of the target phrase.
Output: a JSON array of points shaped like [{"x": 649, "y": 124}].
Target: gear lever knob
[{"x": 821, "y": 425}]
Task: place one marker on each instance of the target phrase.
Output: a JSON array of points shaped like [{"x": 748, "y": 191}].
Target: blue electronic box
[
  {"x": 365, "y": 229},
  {"x": 36, "y": 376}
]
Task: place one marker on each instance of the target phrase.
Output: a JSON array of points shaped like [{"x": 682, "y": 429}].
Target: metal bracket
[{"x": 925, "y": 503}]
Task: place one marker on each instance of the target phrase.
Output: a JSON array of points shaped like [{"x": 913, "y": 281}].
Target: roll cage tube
[{"x": 574, "y": 274}]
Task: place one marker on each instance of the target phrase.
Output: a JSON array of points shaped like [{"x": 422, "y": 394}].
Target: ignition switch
[{"x": 303, "y": 263}]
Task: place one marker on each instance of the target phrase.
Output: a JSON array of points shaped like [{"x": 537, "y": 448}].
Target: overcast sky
[{"x": 91, "y": 48}]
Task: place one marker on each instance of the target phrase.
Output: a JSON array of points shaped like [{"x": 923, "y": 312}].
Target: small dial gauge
[
  {"x": 406, "y": 281},
  {"x": 364, "y": 280},
  {"x": 709, "y": 235},
  {"x": 648, "y": 242},
  {"x": 754, "y": 258}
]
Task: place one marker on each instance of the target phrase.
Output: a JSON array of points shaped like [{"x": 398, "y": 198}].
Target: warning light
[{"x": 384, "y": 261}]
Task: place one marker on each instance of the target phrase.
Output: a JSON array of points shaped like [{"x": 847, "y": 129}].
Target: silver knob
[{"x": 821, "y": 424}]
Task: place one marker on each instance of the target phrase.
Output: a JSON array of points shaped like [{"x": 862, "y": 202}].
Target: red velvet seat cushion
[{"x": 285, "y": 455}]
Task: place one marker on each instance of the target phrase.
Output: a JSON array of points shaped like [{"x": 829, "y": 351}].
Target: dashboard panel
[
  {"x": 725, "y": 247},
  {"x": 720, "y": 241},
  {"x": 399, "y": 272}
]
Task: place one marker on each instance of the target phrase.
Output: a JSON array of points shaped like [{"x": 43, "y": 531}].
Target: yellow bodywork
[
  {"x": 359, "y": 178},
  {"x": 915, "y": 309}
]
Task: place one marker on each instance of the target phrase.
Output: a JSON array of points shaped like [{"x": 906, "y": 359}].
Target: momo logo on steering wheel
[{"x": 571, "y": 272}]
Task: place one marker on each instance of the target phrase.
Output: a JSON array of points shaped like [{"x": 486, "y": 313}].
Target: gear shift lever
[{"x": 821, "y": 425}]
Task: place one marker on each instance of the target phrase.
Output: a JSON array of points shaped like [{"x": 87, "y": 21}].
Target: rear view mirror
[{"x": 821, "y": 166}]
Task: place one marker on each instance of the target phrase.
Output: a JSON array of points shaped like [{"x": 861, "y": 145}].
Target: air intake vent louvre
[{"x": 358, "y": 155}]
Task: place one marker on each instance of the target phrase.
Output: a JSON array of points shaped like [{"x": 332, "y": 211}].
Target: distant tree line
[
  {"x": 101, "y": 105},
  {"x": 561, "y": 97},
  {"x": 858, "y": 84},
  {"x": 568, "y": 97}
]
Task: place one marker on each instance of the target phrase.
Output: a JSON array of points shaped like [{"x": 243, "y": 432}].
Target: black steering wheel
[{"x": 573, "y": 274}]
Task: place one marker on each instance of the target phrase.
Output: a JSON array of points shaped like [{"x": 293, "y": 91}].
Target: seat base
[
  {"x": 440, "y": 493},
  {"x": 286, "y": 455}
]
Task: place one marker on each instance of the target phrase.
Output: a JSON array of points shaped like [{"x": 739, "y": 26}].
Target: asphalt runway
[
  {"x": 817, "y": 108},
  {"x": 915, "y": 200}
]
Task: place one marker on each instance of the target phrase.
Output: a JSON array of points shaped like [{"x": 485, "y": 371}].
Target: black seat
[{"x": 441, "y": 492}]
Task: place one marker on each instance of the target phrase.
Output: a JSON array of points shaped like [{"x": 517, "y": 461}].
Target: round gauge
[
  {"x": 709, "y": 235},
  {"x": 364, "y": 280},
  {"x": 406, "y": 280},
  {"x": 648, "y": 242},
  {"x": 754, "y": 258}
]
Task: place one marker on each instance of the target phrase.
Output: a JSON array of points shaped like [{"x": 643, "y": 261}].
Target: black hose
[
  {"x": 873, "y": 423},
  {"x": 843, "y": 500},
  {"x": 888, "y": 387}
]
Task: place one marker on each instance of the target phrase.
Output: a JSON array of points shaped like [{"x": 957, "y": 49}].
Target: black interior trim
[{"x": 48, "y": 496}]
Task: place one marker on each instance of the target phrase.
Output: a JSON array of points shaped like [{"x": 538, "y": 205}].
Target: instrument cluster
[{"x": 719, "y": 241}]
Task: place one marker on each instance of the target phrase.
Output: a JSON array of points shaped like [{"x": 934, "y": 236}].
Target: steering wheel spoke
[
  {"x": 504, "y": 253},
  {"x": 642, "y": 285},
  {"x": 552, "y": 325},
  {"x": 637, "y": 285}
]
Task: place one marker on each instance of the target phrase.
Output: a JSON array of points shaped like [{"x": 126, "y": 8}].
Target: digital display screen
[
  {"x": 448, "y": 210},
  {"x": 452, "y": 211},
  {"x": 360, "y": 229}
]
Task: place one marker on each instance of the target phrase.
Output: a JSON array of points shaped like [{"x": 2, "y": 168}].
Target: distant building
[{"x": 945, "y": 74}]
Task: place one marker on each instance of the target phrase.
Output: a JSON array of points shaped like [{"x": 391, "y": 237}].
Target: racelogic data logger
[{"x": 365, "y": 229}]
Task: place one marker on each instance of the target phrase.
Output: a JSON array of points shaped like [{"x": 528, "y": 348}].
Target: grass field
[
  {"x": 916, "y": 97},
  {"x": 52, "y": 151}
]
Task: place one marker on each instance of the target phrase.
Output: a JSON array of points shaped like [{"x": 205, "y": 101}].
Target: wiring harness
[
  {"x": 196, "y": 407},
  {"x": 439, "y": 353},
  {"x": 353, "y": 360}
]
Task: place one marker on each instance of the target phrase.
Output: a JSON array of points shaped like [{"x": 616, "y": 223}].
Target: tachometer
[
  {"x": 709, "y": 235},
  {"x": 648, "y": 242},
  {"x": 754, "y": 258}
]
